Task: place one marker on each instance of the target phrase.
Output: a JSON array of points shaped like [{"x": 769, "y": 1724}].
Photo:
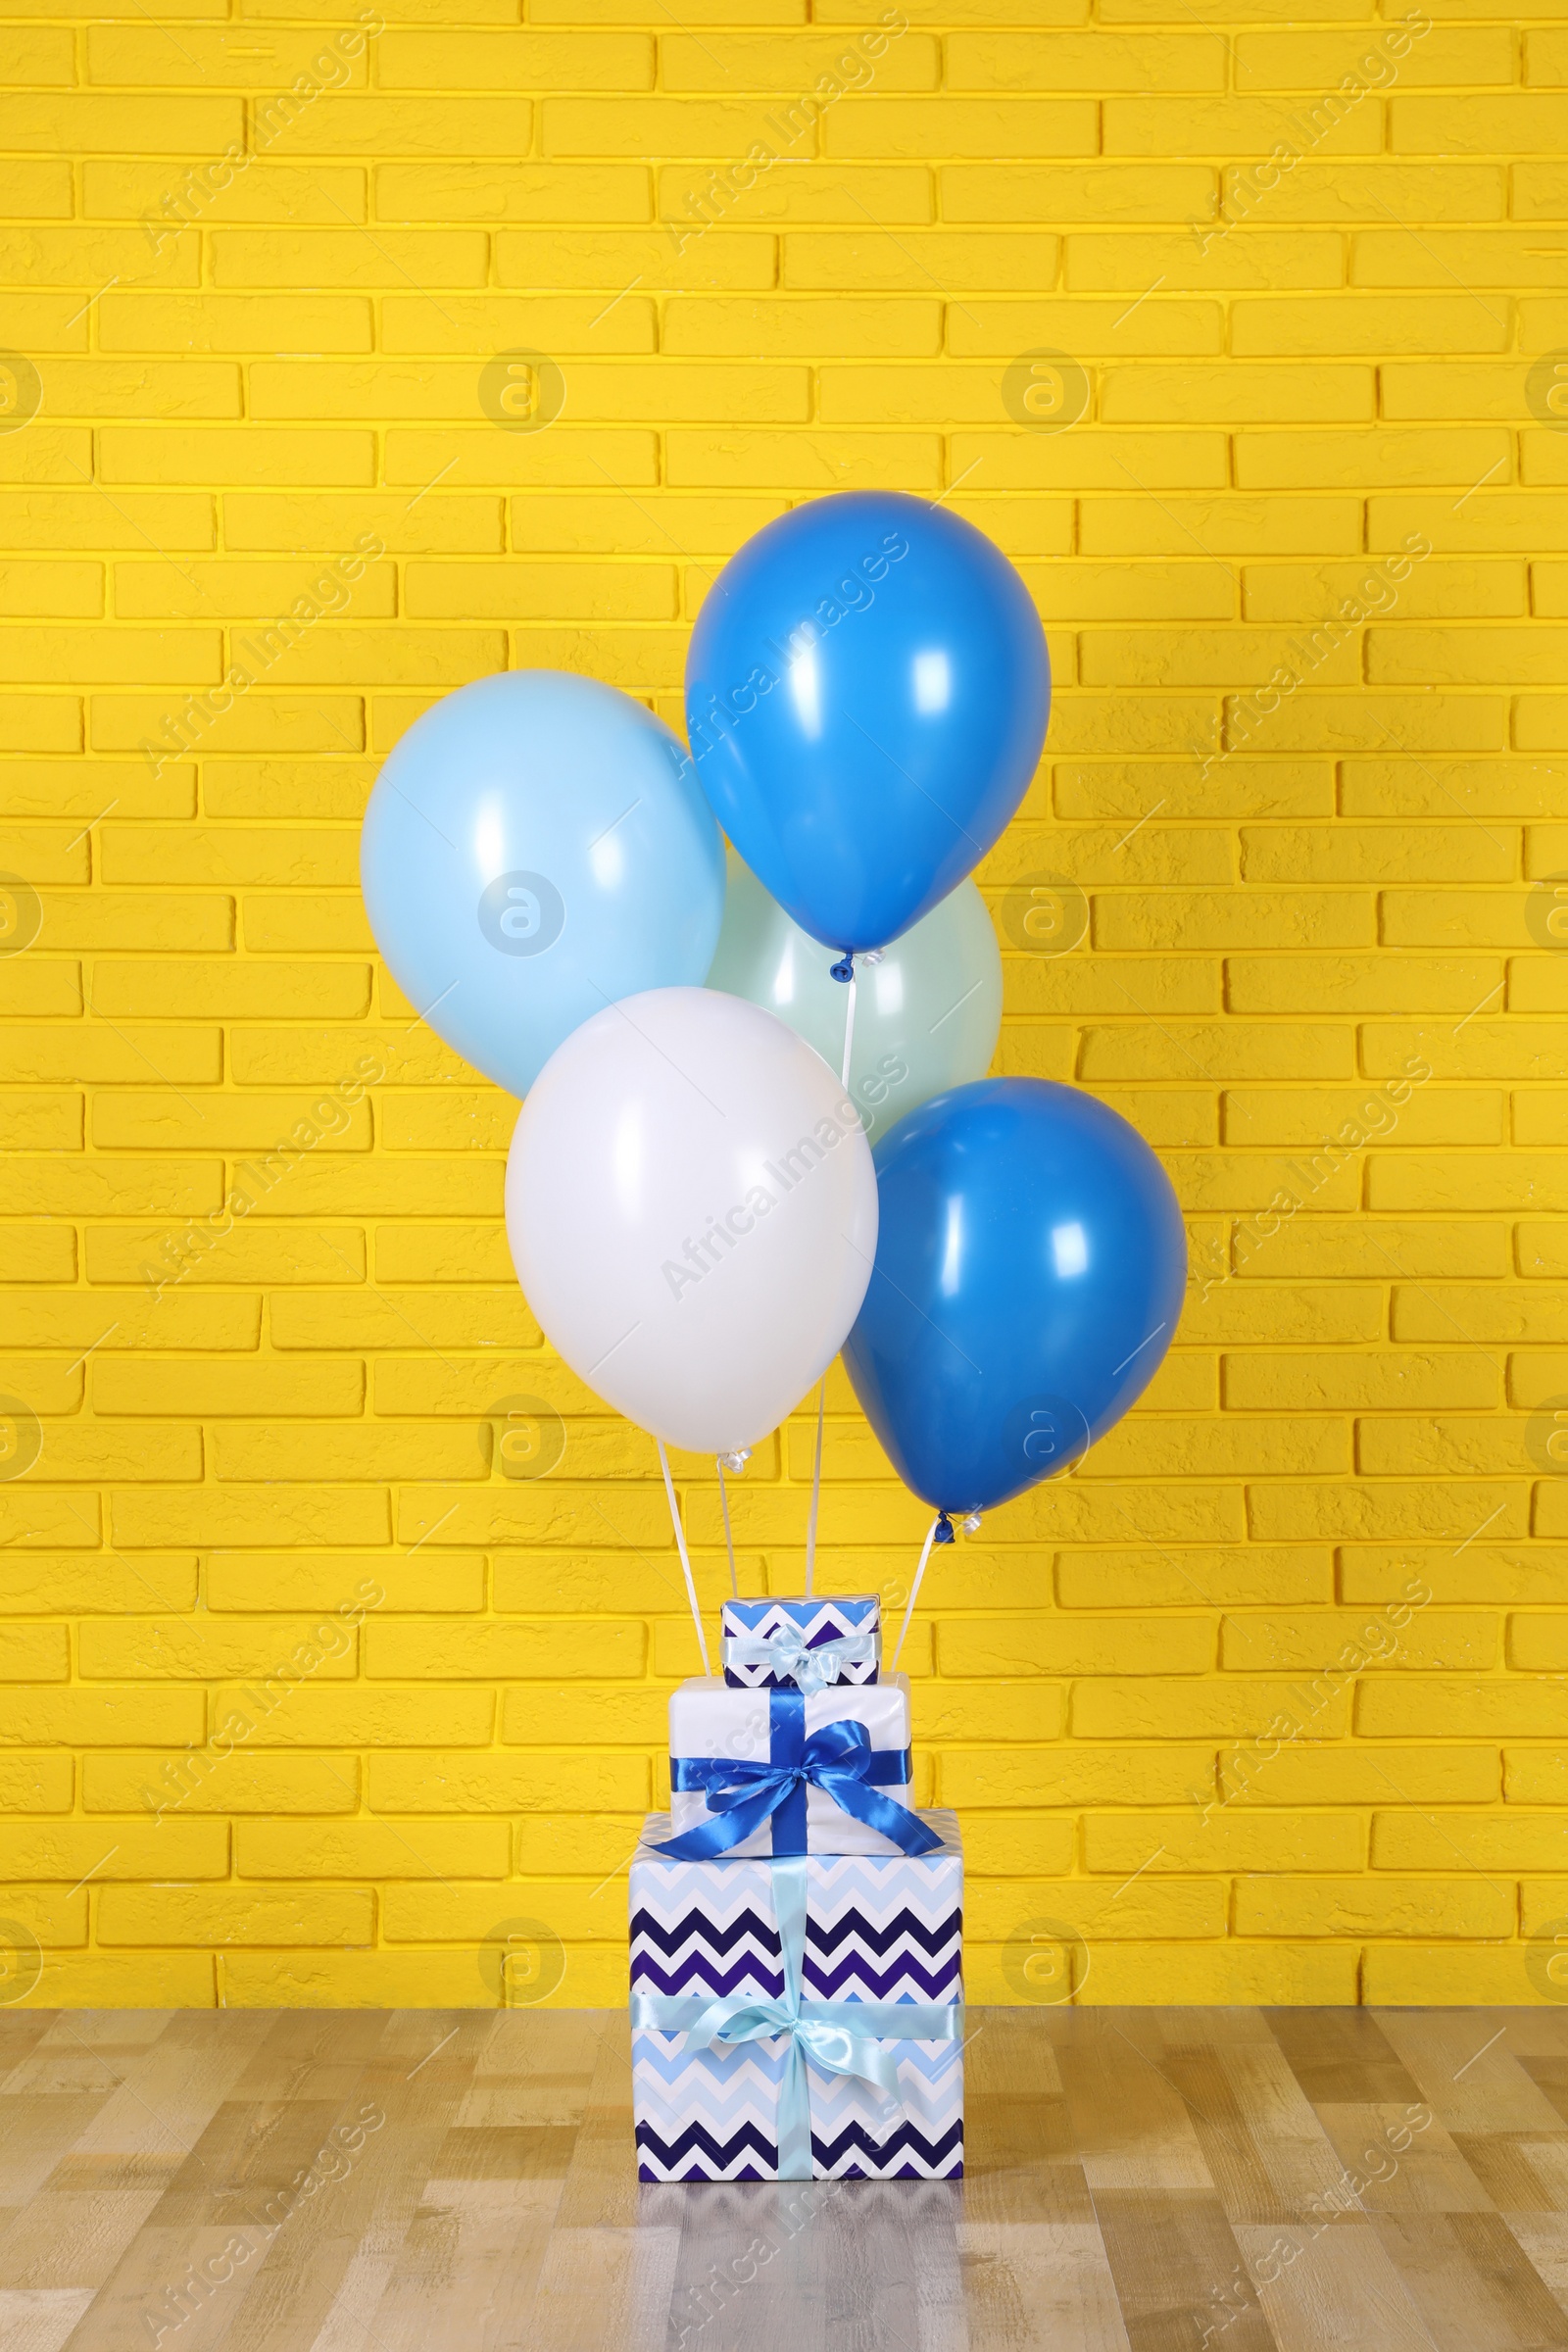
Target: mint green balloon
[{"x": 926, "y": 1017}]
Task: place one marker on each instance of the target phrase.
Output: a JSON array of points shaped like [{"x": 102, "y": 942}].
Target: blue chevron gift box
[
  {"x": 807, "y": 1643},
  {"x": 798, "y": 2019}
]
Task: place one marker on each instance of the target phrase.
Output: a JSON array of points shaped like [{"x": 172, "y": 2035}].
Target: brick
[
  {"x": 1379, "y": 1511},
  {"x": 1101, "y": 461},
  {"x": 1232, "y": 1839},
  {"x": 229, "y": 854},
  {"x": 575, "y": 1781},
  {"x": 449, "y": 60},
  {"x": 231, "y": 323},
  {"x": 1516, "y": 1841},
  {"x": 1221, "y": 526},
  {"x": 1357, "y": 192},
  {"x": 1482, "y": 1572},
  {"x": 1272, "y": 1644},
  {"x": 340, "y": 460},
  {"x": 35, "y": 1784},
  {"x": 562, "y": 1514},
  {"x": 150, "y": 991},
  {"x": 1348, "y": 325},
  {"x": 235, "y": 1916},
  {"x": 78, "y": 1717},
  {"x": 41, "y": 722},
  {"x": 1498, "y": 1314},
  {"x": 1073, "y": 1645},
  {"x": 1149, "y": 1708},
  {"x": 1219, "y": 1052},
  {"x": 1532, "y": 1776},
  {"x": 1478, "y": 125},
  {"x": 1351, "y": 1906},
  {"x": 427, "y": 1579},
  {"x": 433, "y": 1849},
  {"x": 803, "y": 462},
  {"x": 1158, "y": 1579},
  {"x": 1226, "y": 128},
  {"x": 869, "y": 259},
  {"x": 1240, "y": 394},
  {"x": 1315, "y": 61},
  {"x": 88, "y": 1583},
  {"x": 345, "y": 1453},
  {"x": 1356, "y": 984},
  {"x": 227, "y": 1779},
  {"x": 1350, "y": 1774},
  {"x": 310, "y": 1516},
  {"x": 1350, "y": 853},
  {"x": 1399, "y": 1706},
  {"x": 1093, "y": 192},
  {"x": 1089, "y": 327},
  {"x": 145, "y": 1849}
]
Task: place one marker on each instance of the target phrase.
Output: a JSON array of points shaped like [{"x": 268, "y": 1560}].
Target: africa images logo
[{"x": 522, "y": 914}]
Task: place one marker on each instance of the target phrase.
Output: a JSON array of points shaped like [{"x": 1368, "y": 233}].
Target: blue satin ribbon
[
  {"x": 787, "y": 1654},
  {"x": 840, "y": 2037},
  {"x": 744, "y": 1792}
]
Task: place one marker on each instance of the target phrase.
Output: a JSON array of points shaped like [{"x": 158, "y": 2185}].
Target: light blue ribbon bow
[
  {"x": 786, "y": 1653},
  {"x": 841, "y": 2037}
]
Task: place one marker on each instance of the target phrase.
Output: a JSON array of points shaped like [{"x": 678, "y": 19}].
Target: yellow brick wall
[{"x": 1266, "y": 1700}]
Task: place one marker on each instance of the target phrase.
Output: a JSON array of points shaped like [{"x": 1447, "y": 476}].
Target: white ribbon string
[
  {"x": 821, "y": 1393},
  {"x": 816, "y": 1491},
  {"x": 914, "y": 1589},
  {"x": 685, "y": 1561},
  {"x": 729, "y": 1541}
]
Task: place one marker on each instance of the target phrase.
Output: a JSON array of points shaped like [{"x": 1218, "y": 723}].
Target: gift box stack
[{"x": 795, "y": 1927}]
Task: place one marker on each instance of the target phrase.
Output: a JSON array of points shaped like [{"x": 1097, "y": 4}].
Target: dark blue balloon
[
  {"x": 1030, "y": 1264},
  {"x": 866, "y": 695}
]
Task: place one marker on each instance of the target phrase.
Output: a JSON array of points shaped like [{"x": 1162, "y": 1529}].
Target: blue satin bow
[
  {"x": 788, "y": 1656},
  {"x": 743, "y": 1793},
  {"x": 841, "y": 2037}
]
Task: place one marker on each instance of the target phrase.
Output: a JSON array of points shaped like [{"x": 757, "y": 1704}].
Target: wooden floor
[{"x": 1160, "y": 2180}]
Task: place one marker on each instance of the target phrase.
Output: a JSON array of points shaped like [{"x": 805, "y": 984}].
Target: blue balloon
[
  {"x": 1030, "y": 1264},
  {"x": 535, "y": 849},
  {"x": 866, "y": 695}
]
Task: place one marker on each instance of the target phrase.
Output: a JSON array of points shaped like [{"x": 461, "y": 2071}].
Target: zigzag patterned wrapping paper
[
  {"x": 879, "y": 1927},
  {"x": 817, "y": 1623},
  {"x": 709, "y": 1718}
]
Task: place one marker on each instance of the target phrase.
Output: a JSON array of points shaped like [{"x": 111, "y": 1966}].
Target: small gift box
[
  {"x": 776, "y": 1771},
  {"x": 799, "y": 2020},
  {"x": 810, "y": 1645}
]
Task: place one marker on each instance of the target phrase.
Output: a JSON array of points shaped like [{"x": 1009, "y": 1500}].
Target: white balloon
[{"x": 691, "y": 1208}]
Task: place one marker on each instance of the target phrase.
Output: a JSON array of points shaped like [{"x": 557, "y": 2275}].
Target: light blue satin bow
[
  {"x": 841, "y": 2037},
  {"x": 787, "y": 1654}
]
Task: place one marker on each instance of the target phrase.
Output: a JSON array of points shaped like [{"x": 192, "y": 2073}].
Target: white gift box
[{"x": 730, "y": 1740}]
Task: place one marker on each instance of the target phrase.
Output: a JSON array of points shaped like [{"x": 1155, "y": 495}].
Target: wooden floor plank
[
  {"x": 1331, "y": 2291},
  {"x": 1472, "y": 2281},
  {"x": 1137, "y": 2180}
]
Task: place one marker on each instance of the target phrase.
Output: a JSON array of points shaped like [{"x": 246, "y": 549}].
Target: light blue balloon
[
  {"x": 927, "y": 1015},
  {"x": 537, "y": 848}
]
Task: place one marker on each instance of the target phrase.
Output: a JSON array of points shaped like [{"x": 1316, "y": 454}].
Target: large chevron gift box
[{"x": 797, "y": 2018}]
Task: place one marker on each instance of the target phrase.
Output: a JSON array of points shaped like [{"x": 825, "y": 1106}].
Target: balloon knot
[
  {"x": 845, "y": 968},
  {"x": 943, "y": 1532}
]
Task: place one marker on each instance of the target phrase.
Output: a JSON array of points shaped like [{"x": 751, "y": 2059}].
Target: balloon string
[
  {"x": 934, "y": 1530},
  {"x": 729, "y": 1541},
  {"x": 821, "y": 1393},
  {"x": 816, "y": 1492},
  {"x": 681, "y": 1545}
]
